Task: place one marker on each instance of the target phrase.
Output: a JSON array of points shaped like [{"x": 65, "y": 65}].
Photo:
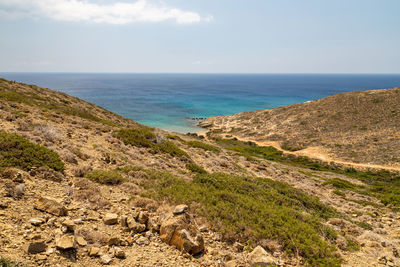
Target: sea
[{"x": 176, "y": 102}]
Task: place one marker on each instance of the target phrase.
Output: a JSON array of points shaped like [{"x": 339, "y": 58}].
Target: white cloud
[{"x": 83, "y": 10}]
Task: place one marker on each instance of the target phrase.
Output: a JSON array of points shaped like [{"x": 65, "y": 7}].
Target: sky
[{"x": 200, "y": 36}]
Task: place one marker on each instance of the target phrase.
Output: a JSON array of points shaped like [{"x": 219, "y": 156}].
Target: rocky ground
[
  {"x": 49, "y": 218},
  {"x": 45, "y": 224}
]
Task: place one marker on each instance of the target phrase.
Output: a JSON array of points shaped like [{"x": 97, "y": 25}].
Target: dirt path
[{"x": 320, "y": 154}]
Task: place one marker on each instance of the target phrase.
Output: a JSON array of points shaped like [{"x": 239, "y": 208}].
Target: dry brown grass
[{"x": 358, "y": 126}]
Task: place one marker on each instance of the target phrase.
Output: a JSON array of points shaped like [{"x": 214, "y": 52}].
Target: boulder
[
  {"x": 65, "y": 242},
  {"x": 259, "y": 257},
  {"x": 179, "y": 231},
  {"x": 35, "y": 247},
  {"x": 50, "y": 206},
  {"x": 110, "y": 218}
]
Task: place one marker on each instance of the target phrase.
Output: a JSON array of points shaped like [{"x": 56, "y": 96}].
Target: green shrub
[
  {"x": 193, "y": 167},
  {"x": 383, "y": 185},
  {"x": 168, "y": 147},
  {"x": 110, "y": 177},
  {"x": 175, "y": 137},
  {"x": 250, "y": 149},
  {"x": 204, "y": 146},
  {"x": 351, "y": 244},
  {"x": 144, "y": 137},
  {"x": 17, "y": 151},
  {"x": 339, "y": 193},
  {"x": 139, "y": 137},
  {"x": 8, "y": 263},
  {"x": 250, "y": 209},
  {"x": 340, "y": 183}
]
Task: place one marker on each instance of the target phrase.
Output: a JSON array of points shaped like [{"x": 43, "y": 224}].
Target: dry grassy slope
[
  {"x": 81, "y": 133},
  {"x": 357, "y": 126}
]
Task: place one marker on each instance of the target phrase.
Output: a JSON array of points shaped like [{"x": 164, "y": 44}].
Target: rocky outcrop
[{"x": 178, "y": 230}]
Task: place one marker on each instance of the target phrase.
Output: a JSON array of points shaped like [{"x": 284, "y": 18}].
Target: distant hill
[
  {"x": 80, "y": 185},
  {"x": 361, "y": 127}
]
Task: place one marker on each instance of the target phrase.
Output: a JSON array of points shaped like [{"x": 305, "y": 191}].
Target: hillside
[
  {"x": 360, "y": 127},
  {"x": 80, "y": 185}
]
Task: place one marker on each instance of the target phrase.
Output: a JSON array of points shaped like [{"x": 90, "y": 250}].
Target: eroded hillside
[
  {"x": 359, "y": 127},
  {"x": 83, "y": 186}
]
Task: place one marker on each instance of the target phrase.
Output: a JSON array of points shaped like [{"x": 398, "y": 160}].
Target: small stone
[
  {"x": 4, "y": 205},
  {"x": 94, "y": 252},
  {"x": 77, "y": 221},
  {"x": 119, "y": 253},
  {"x": 123, "y": 220},
  {"x": 134, "y": 226},
  {"x": 203, "y": 228},
  {"x": 231, "y": 263},
  {"x": 382, "y": 260},
  {"x": 81, "y": 241},
  {"x": 259, "y": 257},
  {"x": 110, "y": 218},
  {"x": 19, "y": 190},
  {"x": 395, "y": 252},
  {"x": 142, "y": 241},
  {"x": 143, "y": 217},
  {"x": 238, "y": 246},
  {"x": 34, "y": 247},
  {"x": 105, "y": 259},
  {"x": 65, "y": 242},
  {"x": 180, "y": 209},
  {"x": 41, "y": 257},
  {"x": 69, "y": 225},
  {"x": 153, "y": 224},
  {"x": 36, "y": 221},
  {"x": 114, "y": 241}
]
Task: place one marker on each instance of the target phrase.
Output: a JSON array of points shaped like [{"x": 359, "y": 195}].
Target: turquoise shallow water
[{"x": 167, "y": 100}]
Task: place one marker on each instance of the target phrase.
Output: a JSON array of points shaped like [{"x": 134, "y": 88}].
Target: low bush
[
  {"x": 110, "y": 177},
  {"x": 17, "y": 151},
  {"x": 193, "y": 167},
  {"x": 340, "y": 183},
  {"x": 204, "y": 146},
  {"x": 251, "y": 209},
  {"x": 139, "y": 137},
  {"x": 170, "y": 148},
  {"x": 8, "y": 263},
  {"x": 383, "y": 185},
  {"x": 144, "y": 137}
]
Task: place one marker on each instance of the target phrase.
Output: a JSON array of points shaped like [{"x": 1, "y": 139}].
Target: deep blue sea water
[{"x": 167, "y": 100}]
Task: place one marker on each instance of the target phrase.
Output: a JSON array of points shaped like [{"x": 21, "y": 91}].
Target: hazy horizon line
[{"x": 227, "y": 73}]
